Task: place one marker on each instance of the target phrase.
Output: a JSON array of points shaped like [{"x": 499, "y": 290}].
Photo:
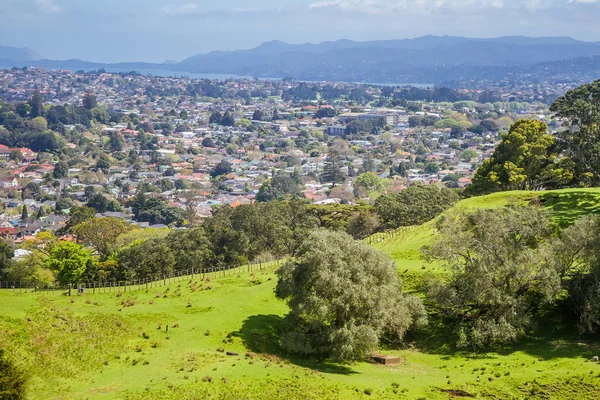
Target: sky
[{"x": 157, "y": 30}]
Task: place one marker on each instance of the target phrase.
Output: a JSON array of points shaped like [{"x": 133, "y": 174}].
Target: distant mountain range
[
  {"x": 427, "y": 59},
  {"x": 18, "y": 54}
]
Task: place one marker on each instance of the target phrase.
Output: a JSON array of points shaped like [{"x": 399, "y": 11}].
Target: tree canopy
[
  {"x": 525, "y": 159},
  {"x": 343, "y": 296},
  {"x": 414, "y": 205},
  {"x": 500, "y": 270},
  {"x": 579, "y": 113}
]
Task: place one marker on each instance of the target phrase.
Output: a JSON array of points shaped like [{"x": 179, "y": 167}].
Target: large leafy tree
[
  {"x": 579, "y": 112},
  {"x": 501, "y": 268},
  {"x": 577, "y": 259},
  {"x": 278, "y": 188},
  {"x": 68, "y": 261},
  {"x": 524, "y": 160},
  {"x": 414, "y": 205},
  {"x": 101, "y": 234},
  {"x": 343, "y": 296},
  {"x": 191, "y": 248},
  {"x": 152, "y": 258}
]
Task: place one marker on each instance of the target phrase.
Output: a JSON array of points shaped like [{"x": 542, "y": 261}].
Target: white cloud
[
  {"x": 386, "y": 6},
  {"x": 186, "y": 9},
  {"x": 195, "y": 10}
]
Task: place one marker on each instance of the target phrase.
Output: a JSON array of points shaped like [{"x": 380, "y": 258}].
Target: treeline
[{"x": 110, "y": 249}]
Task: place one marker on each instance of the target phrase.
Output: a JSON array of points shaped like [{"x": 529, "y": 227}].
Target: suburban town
[{"x": 196, "y": 144}]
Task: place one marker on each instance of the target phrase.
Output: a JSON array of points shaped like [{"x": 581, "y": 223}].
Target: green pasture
[{"x": 118, "y": 346}]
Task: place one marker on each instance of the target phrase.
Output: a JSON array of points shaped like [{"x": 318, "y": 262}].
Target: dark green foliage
[
  {"x": 578, "y": 261},
  {"x": 191, "y": 248},
  {"x": 414, "y": 205},
  {"x": 103, "y": 163},
  {"x": 155, "y": 211},
  {"x": 6, "y": 256},
  {"x": 278, "y": 188},
  {"x": 525, "y": 159},
  {"x": 61, "y": 170},
  {"x": 89, "y": 100},
  {"x": 37, "y": 105},
  {"x": 246, "y": 231},
  {"x": 333, "y": 169},
  {"x": 502, "y": 267},
  {"x": 12, "y": 380},
  {"x": 77, "y": 215},
  {"x": 102, "y": 204},
  {"x": 343, "y": 296},
  {"x": 579, "y": 112},
  {"x": 149, "y": 259},
  {"x": 363, "y": 224},
  {"x": 325, "y": 112},
  {"x": 222, "y": 168},
  {"x": 24, "y": 213}
]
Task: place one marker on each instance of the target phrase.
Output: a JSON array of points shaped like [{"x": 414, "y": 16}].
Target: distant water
[{"x": 165, "y": 73}]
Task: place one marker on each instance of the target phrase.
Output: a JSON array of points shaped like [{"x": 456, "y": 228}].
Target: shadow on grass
[
  {"x": 260, "y": 334},
  {"x": 555, "y": 337},
  {"x": 570, "y": 206}
]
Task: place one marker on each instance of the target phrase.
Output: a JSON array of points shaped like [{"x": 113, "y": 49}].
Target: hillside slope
[{"x": 117, "y": 346}]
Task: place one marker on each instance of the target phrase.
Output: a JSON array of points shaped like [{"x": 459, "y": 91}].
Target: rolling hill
[
  {"x": 117, "y": 345},
  {"x": 427, "y": 59}
]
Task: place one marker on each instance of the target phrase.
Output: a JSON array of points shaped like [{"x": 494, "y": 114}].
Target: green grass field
[{"x": 116, "y": 346}]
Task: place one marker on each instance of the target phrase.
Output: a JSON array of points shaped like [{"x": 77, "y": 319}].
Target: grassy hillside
[{"x": 117, "y": 346}]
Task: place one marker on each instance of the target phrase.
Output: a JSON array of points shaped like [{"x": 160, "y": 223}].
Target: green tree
[
  {"x": 363, "y": 224},
  {"x": 343, "y": 297},
  {"x": 77, "y": 215},
  {"x": 414, "y": 205},
  {"x": 228, "y": 119},
  {"x": 37, "y": 105},
  {"x": 151, "y": 258},
  {"x": 370, "y": 181},
  {"x": 222, "y": 168},
  {"x": 68, "y": 261},
  {"x": 500, "y": 272},
  {"x": 6, "y": 256},
  {"x": 24, "y": 213},
  {"x": 101, "y": 234},
  {"x": 257, "y": 115},
  {"x": 103, "y": 163},
  {"x": 61, "y": 170},
  {"x": 332, "y": 172},
  {"x": 467, "y": 155},
  {"x": 579, "y": 113},
  {"x": 215, "y": 117},
  {"x": 278, "y": 188},
  {"x": 89, "y": 100},
  {"x": 524, "y": 160},
  {"x": 191, "y": 248},
  {"x": 116, "y": 141},
  {"x": 577, "y": 260}
]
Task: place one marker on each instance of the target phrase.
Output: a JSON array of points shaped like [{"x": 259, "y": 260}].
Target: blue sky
[{"x": 156, "y": 30}]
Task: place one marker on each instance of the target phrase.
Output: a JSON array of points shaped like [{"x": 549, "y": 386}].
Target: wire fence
[
  {"x": 136, "y": 284},
  {"x": 391, "y": 234},
  {"x": 109, "y": 286}
]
